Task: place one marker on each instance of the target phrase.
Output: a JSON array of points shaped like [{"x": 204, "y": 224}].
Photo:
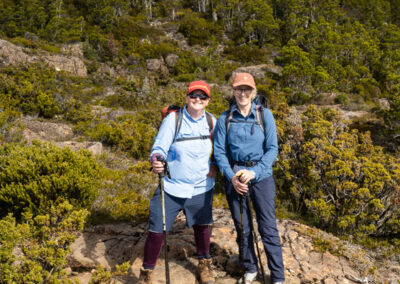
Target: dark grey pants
[{"x": 263, "y": 198}]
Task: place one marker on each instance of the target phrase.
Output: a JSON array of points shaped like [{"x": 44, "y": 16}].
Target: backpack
[
  {"x": 178, "y": 123},
  {"x": 261, "y": 103}
]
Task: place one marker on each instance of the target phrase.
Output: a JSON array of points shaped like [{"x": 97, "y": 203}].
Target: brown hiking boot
[
  {"x": 204, "y": 271},
  {"x": 145, "y": 276}
]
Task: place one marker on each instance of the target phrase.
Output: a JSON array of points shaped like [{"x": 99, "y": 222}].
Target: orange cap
[
  {"x": 243, "y": 79},
  {"x": 199, "y": 85}
]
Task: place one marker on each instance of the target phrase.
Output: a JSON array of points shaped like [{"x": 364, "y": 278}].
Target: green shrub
[
  {"x": 101, "y": 275},
  {"x": 148, "y": 50},
  {"x": 186, "y": 77},
  {"x": 342, "y": 99},
  {"x": 10, "y": 128},
  {"x": 35, "y": 178},
  {"x": 186, "y": 64},
  {"x": 299, "y": 98},
  {"x": 42, "y": 243},
  {"x": 35, "y": 90},
  {"x": 198, "y": 30},
  {"x": 126, "y": 195},
  {"x": 338, "y": 177},
  {"x": 121, "y": 99},
  {"x": 248, "y": 53},
  {"x": 127, "y": 133},
  {"x": 38, "y": 44}
]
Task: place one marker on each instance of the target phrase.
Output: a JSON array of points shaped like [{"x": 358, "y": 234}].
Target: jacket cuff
[{"x": 153, "y": 157}]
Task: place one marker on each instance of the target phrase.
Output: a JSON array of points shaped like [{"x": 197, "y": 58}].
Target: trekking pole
[
  {"x": 161, "y": 176},
  {"x": 241, "y": 256},
  {"x": 247, "y": 196}
]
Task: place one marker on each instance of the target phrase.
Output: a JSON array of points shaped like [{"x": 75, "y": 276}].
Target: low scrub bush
[
  {"x": 34, "y": 90},
  {"x": 339, "y": 177},
  {"x": 198, "y": 30},
  {"x": 35, "y": 251},
  {"x": 35, "y": 178},
  {"x": 127, "y": 133},
  {"x": 126, "y": 195},
  {"x": 247, "y": 53}
]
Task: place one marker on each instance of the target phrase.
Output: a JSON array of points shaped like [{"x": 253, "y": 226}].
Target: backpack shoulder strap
[
  {"x": 260, "y": 117},
  {"x": 228, "y": 118},
  {"x": 178, "y": 123},
  {"x": 210, "y": 122}
]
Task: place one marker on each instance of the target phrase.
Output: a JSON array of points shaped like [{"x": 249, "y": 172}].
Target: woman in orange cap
[{"x": 245, "y": 148}]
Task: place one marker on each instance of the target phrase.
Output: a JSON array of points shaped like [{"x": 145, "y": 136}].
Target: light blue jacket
[{"x": 188, "y": 161}]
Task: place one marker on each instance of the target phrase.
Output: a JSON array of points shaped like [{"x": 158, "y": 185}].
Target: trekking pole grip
[{"x": 163, "y": 161}]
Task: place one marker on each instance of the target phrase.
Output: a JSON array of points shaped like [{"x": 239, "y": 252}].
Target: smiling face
[
  {"x": 197, "y": 100},
  {"x": 243, "y": 95}
]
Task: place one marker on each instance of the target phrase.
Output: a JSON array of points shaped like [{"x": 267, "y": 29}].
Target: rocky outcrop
[
  {"x": 48, "y": 131},
  {"x": 157, "y": 65},
  {"x": 260, "y": 71},
  {"x": 73, "y": 49},
  {"x": 346, "y": 114},
  {"x": 73, "y": 65},
  {"x": 58, "y": 133},
  {"x": 96, "y": 148},
  {"x": 10, "y": 54},
  {"x": 306, "y": 260}
]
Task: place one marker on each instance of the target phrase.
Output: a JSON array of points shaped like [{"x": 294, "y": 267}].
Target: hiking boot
[
  {"x": 204, "y": 271},
  {"x": 145, "y": 276},
  {"x": 247, "y": 278}
]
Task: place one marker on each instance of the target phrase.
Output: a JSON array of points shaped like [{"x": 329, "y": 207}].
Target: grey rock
[
  {"x": 384, "y": 103},
  {"x": 73, "y": 65},
  {"x": 171, "y": 59},
  {"x": 259, "y": 71},
  {"x": 73, "y": 49},
  {"x": 47, "y": 131},
  {"x": 154, "y": 64},
  {"x": 96, "y": 148},
  {"x": 10, "y": 54}
]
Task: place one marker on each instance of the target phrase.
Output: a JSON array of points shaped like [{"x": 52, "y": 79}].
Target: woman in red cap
[
  {"x": 189, "y": 187},
  {"x": 245, "y": 148}
]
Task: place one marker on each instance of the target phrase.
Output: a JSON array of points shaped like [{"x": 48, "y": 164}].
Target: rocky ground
[{"x": 310, "y": 255}]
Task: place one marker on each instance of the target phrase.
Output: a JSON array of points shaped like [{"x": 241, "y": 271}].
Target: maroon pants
[{"x": 154, "y": 242}]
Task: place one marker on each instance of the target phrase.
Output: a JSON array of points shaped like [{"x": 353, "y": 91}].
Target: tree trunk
[
  {"x": 148, "y": 6},
  {"x": 58, "y": 9}
]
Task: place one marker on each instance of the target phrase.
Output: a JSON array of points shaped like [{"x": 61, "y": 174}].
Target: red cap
[
  {"x": 199, "y": 85},
  {"x": 243, "y": 79}
]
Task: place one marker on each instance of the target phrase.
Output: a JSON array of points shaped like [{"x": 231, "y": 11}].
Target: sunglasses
[{"x": 202, "y": 97}]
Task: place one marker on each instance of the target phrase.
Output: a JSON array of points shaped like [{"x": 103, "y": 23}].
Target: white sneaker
[
  {"x": 247, "y": 278},
  {"x": 279, "y": 282}
]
